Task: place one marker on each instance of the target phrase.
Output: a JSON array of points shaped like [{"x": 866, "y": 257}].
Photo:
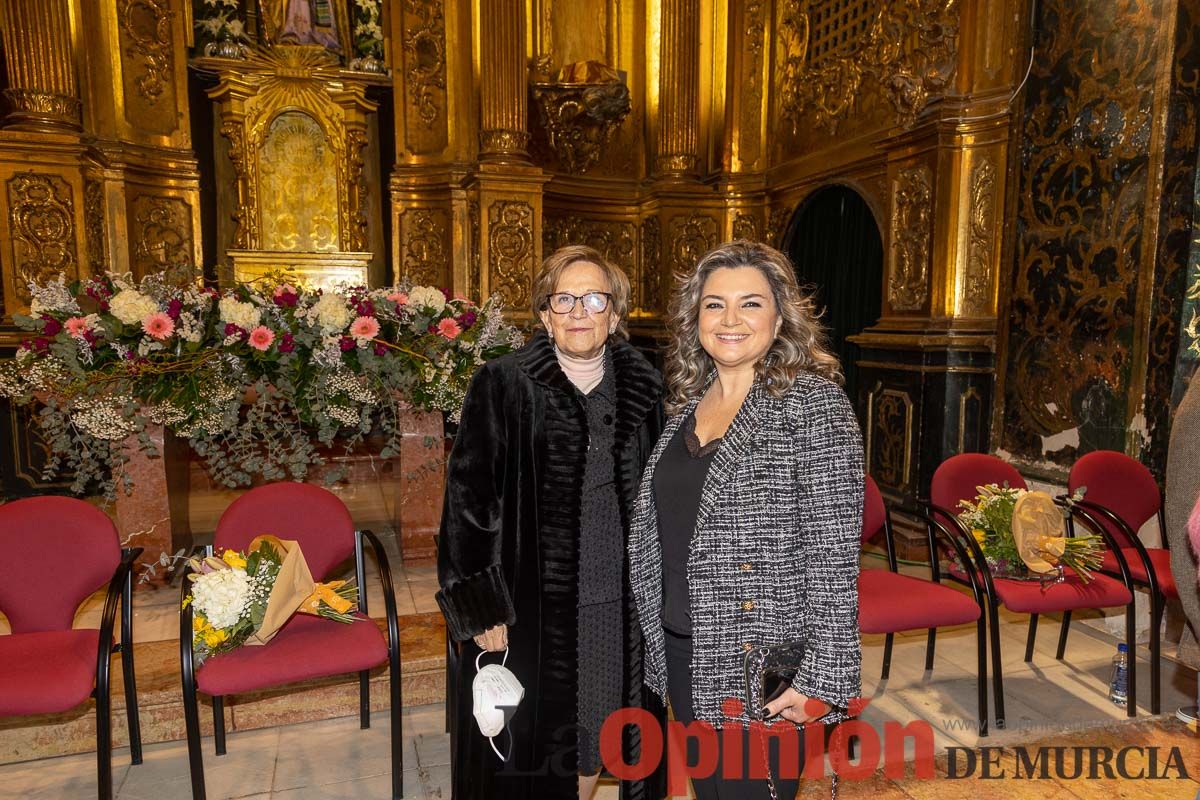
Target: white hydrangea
[
  {"x": 131, "y": 306},
  {"x": 244, "y": 315},
  {"x": 427, "y": 297},
  {"x": 221, "y": 596},
  {"x": 331, "y": 313}
]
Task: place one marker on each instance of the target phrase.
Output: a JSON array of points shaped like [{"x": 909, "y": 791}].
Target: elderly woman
[
  {"x": 531, "y": 558},
  {"x": 747, "y": 526}
]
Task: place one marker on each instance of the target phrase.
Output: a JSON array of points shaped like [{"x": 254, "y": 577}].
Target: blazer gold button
[
  {"x": 746, "y": 567},
  {"x": 747, "y": 647},
  {"x": 748, "y": 605}
]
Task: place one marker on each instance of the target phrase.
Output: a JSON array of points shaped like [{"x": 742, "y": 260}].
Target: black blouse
[{"x": 678, "y": 481}]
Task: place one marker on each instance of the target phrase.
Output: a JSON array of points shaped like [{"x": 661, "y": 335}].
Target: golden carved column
[
  {"x": 40, "y": 59},
  {"x": 436, "y": 134},
  {"x": 504, "y": 90},
  {"x": 143, "y": 181},
  {"x": 678, "y": 90}
]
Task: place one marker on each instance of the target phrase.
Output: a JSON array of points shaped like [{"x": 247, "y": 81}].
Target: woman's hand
[
  {"x": 493, "y": 639},
  {"x": 797, "y": 708}
]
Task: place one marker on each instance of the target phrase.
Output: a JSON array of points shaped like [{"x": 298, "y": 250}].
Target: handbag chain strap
[{"x": 833, "y": 782}]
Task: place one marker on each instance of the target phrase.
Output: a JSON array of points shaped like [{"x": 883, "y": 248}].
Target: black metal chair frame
[
  {"x": 936, "y": 577},
  {"x": 191, "y": 709},
  {"x": 1089, "y": 511},
  {"x": 120, "y": 592},
  {"x": 979, "y": 564}
]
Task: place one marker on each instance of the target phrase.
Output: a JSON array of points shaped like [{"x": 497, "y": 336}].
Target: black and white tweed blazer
[{"x": 774, "y": 556}]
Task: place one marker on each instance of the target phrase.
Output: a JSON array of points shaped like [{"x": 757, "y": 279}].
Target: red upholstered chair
[
  {"x": 956, "y": 479},
  {"x": 889, "y": 602},
  {"x": 1121, "y": 497},
  {"x": 54, "y": 552},
  {"x": 307, "y": 647}
]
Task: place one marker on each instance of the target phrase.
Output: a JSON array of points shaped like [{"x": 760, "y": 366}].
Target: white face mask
[{"x": 495, "y": 693}]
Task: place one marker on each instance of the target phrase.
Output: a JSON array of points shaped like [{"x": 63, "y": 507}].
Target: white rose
[
  {"x": 221, "y": 596},
  {"x": 131, "y": 306},
  {"x": 331, "y": 313},
  {"x": 427, "y": 297},
  {"x": 244, "y": 315}
]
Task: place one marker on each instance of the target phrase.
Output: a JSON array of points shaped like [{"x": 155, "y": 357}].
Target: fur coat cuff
[{"x": 476, "y": 603}]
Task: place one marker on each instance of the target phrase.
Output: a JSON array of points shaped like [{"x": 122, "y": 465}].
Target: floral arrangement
[
  {"x": 218, "y": 19},
  {"x": 368, "y": 35},
  {"x": 254, "y": 378},
  {"x": 238, "y": 597},
  {"x": 990, "y": 519}
]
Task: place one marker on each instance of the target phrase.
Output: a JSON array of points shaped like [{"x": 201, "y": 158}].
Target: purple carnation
[
  {"x": 365, "y": 308},
  {"x": 174, "y": 308},
  {"x": 380, "y": 349},
  {"x": 347, "y": 344},
  {"x": 287, "y": 343},
  {"x": 466, "y": 319},
  {"x": 233, "y": 330},
  {"x": 50, "y": 326}
]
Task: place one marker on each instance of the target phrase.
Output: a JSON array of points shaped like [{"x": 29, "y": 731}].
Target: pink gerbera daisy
[
  {"x": 261, "y": 338},
  {"x": 449, "y": 328},
  {"x": 158, "y": 325},
  {"x": 364, "y": 328},
  {"x": 76, "y": 326},
  {"x": 399, "y": 298}
]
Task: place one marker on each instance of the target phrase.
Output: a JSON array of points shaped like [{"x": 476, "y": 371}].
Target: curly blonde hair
[
  {"x": 801, "y": 345},
  {"x": 556, "y": 264}
]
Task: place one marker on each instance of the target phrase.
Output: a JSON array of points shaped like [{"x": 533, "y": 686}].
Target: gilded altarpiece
[
  {"x": 907, "y": 104},
  {"x": 296, "y": 125}
]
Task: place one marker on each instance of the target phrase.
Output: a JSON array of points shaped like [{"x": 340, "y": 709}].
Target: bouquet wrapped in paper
[
  {"x": 1021, "y": 535},
  {"x": 245, "y": 597}
]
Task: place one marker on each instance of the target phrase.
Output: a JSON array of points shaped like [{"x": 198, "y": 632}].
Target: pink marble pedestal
[
  {"x": 154, "y": 515},
  {"x": 420, "y": 486}
]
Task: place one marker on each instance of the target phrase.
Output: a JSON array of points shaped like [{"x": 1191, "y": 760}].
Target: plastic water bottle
[{"x": 1118, "y": 687}]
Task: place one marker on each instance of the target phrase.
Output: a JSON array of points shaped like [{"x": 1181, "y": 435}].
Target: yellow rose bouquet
[{"x": 245, "y": 597}]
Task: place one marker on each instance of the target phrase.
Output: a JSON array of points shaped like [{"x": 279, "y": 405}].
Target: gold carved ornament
[
  {"x": 501, "y": 140},
  {"x": 691, "y": 238},
  {"x": 298, "y": 173},
  {"x": 425, "y": 58},
  {"x": 163, "y": 237},
  {"x": 745, "y": 226},
  {"x": 889, "y": 436},
  {"x": 829, "y": 48},
  {"x": 612, "y": 239},
  {"x": 510, "y": 250},
  {"x": 650, "y": 277},
  {"x": 912, "y": 220},
  {"x": 754, "y": 31},
  {"x": 353, "y": 209},
  {"x": 147, "y": 23},
  {"x": 581, "y": 110},
  {"x": 1192, "y": 329},
  {"x": 777, "y": 225},
  {"x": 425, "y": 234},
  {"x": 980, "y": 237},
  {"x": 42, "y": 225},
  {"x": 476, "y": 268},
  {"x": 93, "y": 220}
]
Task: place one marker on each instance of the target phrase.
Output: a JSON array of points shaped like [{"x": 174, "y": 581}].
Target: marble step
[{"x": 160, "y": 700}]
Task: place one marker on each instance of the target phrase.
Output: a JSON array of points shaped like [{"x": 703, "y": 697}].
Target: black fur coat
[{"x": 508, "y": 553}]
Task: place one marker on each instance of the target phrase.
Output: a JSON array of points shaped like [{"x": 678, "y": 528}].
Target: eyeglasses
[{"x": 564, "y": 302}]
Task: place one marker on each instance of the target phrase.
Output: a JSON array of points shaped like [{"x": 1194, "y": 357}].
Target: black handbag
[{"x": 770, "y": 670}]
